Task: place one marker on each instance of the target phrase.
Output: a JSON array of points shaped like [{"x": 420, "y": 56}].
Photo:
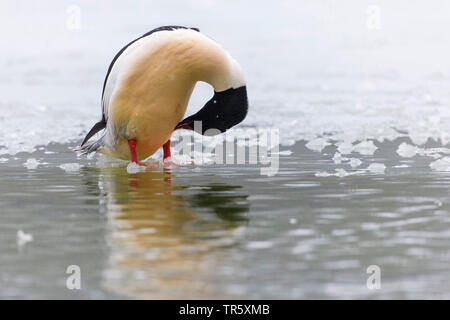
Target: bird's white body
[{"x": 148, "y": 89}]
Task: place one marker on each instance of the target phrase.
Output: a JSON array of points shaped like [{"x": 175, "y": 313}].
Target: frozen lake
[{"x": 359, "y": 94}]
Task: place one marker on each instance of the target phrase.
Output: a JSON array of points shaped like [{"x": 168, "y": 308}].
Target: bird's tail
[{"x": 91, "y": 146}]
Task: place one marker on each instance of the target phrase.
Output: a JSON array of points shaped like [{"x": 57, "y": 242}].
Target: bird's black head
[{"x": 224, "y": 110}]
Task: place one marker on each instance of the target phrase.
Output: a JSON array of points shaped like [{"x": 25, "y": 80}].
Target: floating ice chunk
[
  {"x": 70, "y": 167},
  {"x": 16, "y": 148},
  {"x": 355, "y": 162},
  {"x": 182, "y": 159},
  {"x": 284, "y": 153},
  {"x": 340, "y": 173},
  {"x": 259, "y": 244},
  {"x": 338, "y": 158},
  {"x": 293, "y": 221},
  {"x": 23, "y": 238},
  {"x": 3, "y": 160},
  {"x": 323, "y": 174},
  {"x": 376, "y": 168},
  {"x": 441, "y": 164},
  {"x": 135, "y": 168},
  {"x": 433, "y": 152},
  {"x": 300, "y": 232},
  {"x": 317, "y": 144},
  {"x": 401, "y": 166},
  {"x": 365, "y": 147},
  {"x": 345, "y": 148},
  {"x": 31, "y": 164},
  {"x": 407, "y": 150},
  {"x": 91, "y": 156}
]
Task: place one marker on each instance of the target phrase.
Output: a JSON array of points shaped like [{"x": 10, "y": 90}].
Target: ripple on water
[
  {"x": 259, "y": 245},
  {"x": 302, "y": 184},
  {"x": 300, "y": 232},
  {"x": 342, "y": 265}
]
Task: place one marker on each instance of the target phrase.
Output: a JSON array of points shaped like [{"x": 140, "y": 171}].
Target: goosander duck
[{"x": 148, "y": 86}]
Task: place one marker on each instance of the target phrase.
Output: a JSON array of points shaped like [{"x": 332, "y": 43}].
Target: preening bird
[{"x": 148, "y": 86}]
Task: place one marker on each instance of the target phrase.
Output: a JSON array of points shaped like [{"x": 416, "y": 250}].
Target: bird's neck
[{"x": 212, "y": 64}]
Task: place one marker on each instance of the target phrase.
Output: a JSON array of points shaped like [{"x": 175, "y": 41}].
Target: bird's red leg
[
  {"x": 132, "y": 145},
  {"x": 166, "y": 149}
]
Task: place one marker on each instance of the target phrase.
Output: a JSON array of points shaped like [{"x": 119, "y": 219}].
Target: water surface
[
  {"x": 223, "y": 231},
  {"x": 364, "y": 122}
]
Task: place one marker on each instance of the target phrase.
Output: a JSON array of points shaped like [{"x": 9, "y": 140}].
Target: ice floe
[
  {"x": 135, "y": 168},
  {"x": 345, "y": 147},
  {"x": 23, "y": 238},
  {"x": 373, "y": 168},
  {"x": 365, "y": 148},
  {"x": 376, "y": 168},
  {"x": 401, "y": 166},
  {"x": 442, "y": 164},
  {"x": 339, "y": 173},
  {"x": 71, "y": 167},
  {"x": 32, "y": 164},
  {"x": 338, "y": 158},
  {"x": 407, "y": 150},
  {"x": 285, "y": 153},
  {"x": 355, "y": 162},
  {"x": 317, "y": 144}
]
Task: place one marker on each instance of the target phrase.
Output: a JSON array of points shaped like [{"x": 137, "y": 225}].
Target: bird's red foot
[
  {"x": 167, "y": 160},
  {"x": 132, "y": 144},
  {"x": 166, "y": 149},
  {"x": 134, "y": 158}
]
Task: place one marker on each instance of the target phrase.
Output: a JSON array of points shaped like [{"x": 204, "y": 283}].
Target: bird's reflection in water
[{"x": 166, "y": 238}]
